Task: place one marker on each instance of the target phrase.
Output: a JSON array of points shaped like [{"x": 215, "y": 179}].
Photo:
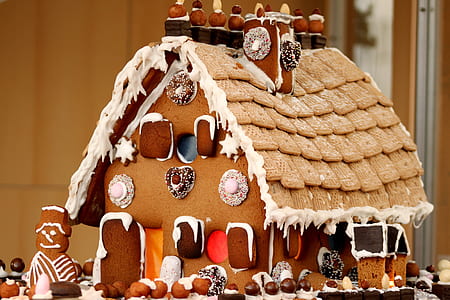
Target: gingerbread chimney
[{"x": 268, "y": 41}]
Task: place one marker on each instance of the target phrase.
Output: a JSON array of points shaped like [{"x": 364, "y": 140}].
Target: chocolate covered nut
[
  {"x": 9, "y": 289},
  {"x": 177, "y": 11},
  {"x": 288, "y": 285},
  {"x": 332, "y": 284},
  {"x": 17, "y": 265},
  {"x": 271, "y": 288},
  {"x": 365, "y": 284},
  {"x": 251, "y": 288},
  {"x": 102, "y": 287},
  {"x": 304, "y": 284},
  {"x": 88, "y": 267},
  {"x": 112, "y": 291},
  {"x": 412, "y": 269},
  {"x": 120, "y": 286}
]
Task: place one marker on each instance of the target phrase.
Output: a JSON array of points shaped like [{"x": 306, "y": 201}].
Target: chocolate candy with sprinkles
[
  {"x": 181, "y": 90},
  {"x": 233, "y": 187},
  {"x": 180, "y": 181},
  {"x": 330, "y": 263},
  {"x": 257, "y": 43},
  {"x": 217, "y": 276},
  {"x": 290, "y": 54}
]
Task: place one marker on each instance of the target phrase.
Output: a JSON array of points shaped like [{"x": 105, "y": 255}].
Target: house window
[
  {"x": 205, "y": 132},
  {"x": 187, "y": 148},
  {"x": 189, "y": 236},
  {"x": 156, "y": 137},
  {"x": 241, "y": 246}
]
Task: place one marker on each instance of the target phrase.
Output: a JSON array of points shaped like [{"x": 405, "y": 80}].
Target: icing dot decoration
[
  {"x": 180, "y": 181},
  {"x": 257, "y": 43},
  {"x": 233, "y": 187},
  {"x": 121, "y": 190},
  {"x": 218, "y": 277},
  {"x": 181, "y": 89},
  {"x": 217, "y": 246},
  {"x": 290, "y": 54}
]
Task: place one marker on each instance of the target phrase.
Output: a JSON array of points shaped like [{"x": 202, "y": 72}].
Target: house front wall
[{"x": 153, "y": 206}]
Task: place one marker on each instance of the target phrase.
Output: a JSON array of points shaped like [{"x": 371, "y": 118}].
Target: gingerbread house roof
[{"x": 332, "y": 151}]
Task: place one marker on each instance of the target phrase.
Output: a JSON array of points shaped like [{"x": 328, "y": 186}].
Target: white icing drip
[
  {"x": 212, "y": 125},
  {"x": 230, "y": 292},
  {"x": 126, "y": 219},
  {"x": 317, "y": 17},
  {"x": 250, "y": 237},
  {"x": 57, "y": 225},
  {"x": 261, "y": 278},
  {"x": 279, "y": 79},
  {"x": 54, "y": 207},
  {"x": 3, "y": 273},
  {"x": 271, "y": 245},
  {"x": 183, "y": 18},
  {"x": 151, "y": 117},
  {"x": 259, "y": 74},
  {"x": 186, "y": 282},
  {"x": 307, "y": 295},
  {"x": 193, "y": 223},
  {"x": 288, "y": 296},
  {"x": 272, "y": 297},
  {"x": 151, "y": 284}
]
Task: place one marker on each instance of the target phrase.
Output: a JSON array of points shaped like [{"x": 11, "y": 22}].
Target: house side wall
[{"x": 153, "y": 206}]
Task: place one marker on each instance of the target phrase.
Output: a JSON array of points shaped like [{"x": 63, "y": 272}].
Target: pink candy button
[
  {"x": 117, "y": 190},
  {"x": 231, "y": 186}
]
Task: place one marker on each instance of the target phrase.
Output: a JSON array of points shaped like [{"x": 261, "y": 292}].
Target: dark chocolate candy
[
  {"x": 177, "y": 28},
  {"x": 236, "y": 39},
  {"x": 65, "y": 289},
  {"x": 318, "y": 41}
]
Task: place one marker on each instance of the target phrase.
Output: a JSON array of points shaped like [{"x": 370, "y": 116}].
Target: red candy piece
[{"x": 216, "y": 247}]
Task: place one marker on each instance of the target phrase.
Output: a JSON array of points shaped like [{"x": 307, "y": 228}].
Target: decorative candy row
[{"x": 233, "y": 186}]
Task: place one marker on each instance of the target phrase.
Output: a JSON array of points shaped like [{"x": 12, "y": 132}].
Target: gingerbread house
[{"x": 242, "y": 158}]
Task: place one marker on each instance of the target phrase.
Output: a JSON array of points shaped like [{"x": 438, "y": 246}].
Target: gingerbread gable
[{"x": 332, "y": 151}]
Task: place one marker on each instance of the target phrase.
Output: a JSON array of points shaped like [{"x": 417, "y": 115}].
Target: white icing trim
[
  {"x": 193, "y": 223},
  {"x": 152, "y": 118},
  {"x": 317, "y": 17},
  {"x": 57, "y": 225},
  {"x": 358, "y": 254},
  {"x": 271, "y": 246},
  {"x": 54, "y": 207},
  {"x": 250, "y": 236}
]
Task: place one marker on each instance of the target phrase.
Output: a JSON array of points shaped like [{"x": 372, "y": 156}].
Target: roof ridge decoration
[{"x": 129, "y": 84}]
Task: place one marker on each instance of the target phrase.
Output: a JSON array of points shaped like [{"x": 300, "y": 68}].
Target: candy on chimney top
[
  {"x": 197, "y": 16},
  {"x": 316, "y": 21},
  {"x": 300, "y": 24},
  {"x": 236, "y": 21},
  {"x": 177, "y": 10},
  {"x": 177, "y": 23},
  {"x": 259, "y": 10},
  {"x": 268, "y": 8},
  {"x": 217, "y": 18}
]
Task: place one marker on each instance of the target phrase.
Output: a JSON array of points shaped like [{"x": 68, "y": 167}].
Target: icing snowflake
[
  {"x": 125, "y": 151},
  {"x": 229, "y": 146}
]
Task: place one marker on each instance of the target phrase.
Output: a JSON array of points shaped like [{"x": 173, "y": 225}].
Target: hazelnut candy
[
  {"x": 197, "y": 18},
  {"x": 217, "y": 19},
  {"x": 127, "y": 294},
  {"x": 236, "y": 9},
  {"x": 271, "y": 288},
  {"x": 102, "y": 287},
  {"x": 178, "y": 291},
  {"x": 201, "y": 286},
  {"x": 304, "y": 284},
  {"x": 9, "y": 289},
  {"x": 331, "y": 284},
  {"x": 431, "y": 269},
  {"x": 260, "y": 12},
  {"x": 17, "y": 265},
  {"x": 177, "y": 11},
  {"x": 197, "y": 4},
  {"x": 232, "y": 287},
  {"x": 120, "y": 286},
  {"x": 112, "y": 291},
  {"x": 251, "y": 288},
  {"x": 365, "y": 284},
  {"x": 412, "y": 269},
  {"x": 268, "y": 8},
  {"x": 398, "y": 282},
  {"x": 88, "y": 267},
  {"x": 298, "y": 12},
  {"x": 139, "y": 289},
  {"x": 288, "y": 285},
  {"x": 160, "y": 291},
  {"x": 236, "y": 23}
]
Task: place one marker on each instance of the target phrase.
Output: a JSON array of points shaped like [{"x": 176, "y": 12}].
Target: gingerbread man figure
[{"x": 52, "y": 241}]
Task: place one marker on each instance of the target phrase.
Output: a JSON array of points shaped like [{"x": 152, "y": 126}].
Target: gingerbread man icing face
[{"x": 53, "y": 231}]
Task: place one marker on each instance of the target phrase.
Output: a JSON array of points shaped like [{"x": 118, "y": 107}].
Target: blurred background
[{"x": 59, "y": 59}]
